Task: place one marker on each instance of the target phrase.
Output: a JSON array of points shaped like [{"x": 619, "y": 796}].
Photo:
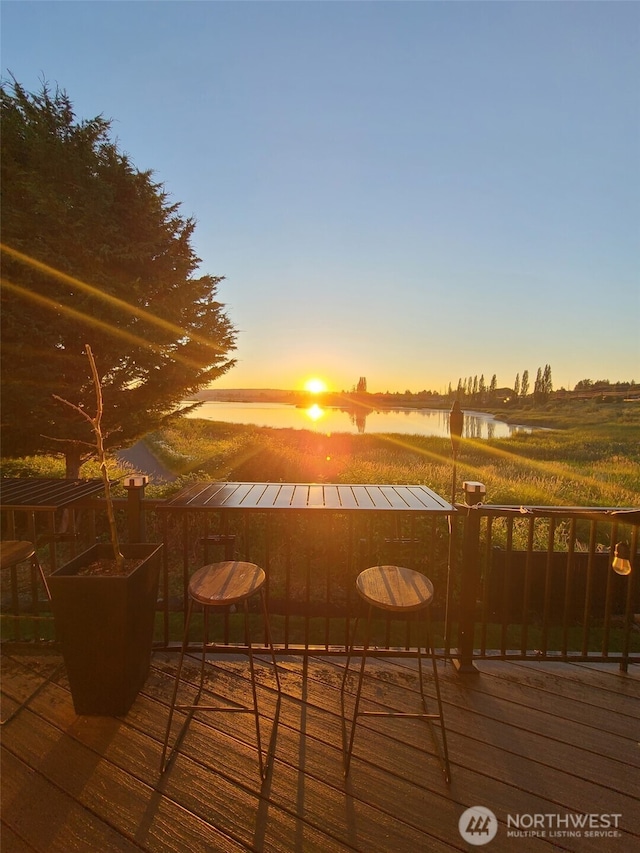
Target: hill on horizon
[{"x": 244, "y": 395}]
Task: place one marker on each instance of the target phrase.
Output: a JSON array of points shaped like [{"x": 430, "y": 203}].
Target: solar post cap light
[
  {"x": 621, "y": 559},
  {"x": 474, "y": 492}
]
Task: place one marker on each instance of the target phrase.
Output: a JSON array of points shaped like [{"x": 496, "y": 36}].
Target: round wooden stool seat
[
  {"x": 14, "y": 551},
  {"x": 220, "y": 584},
  {"x": 394, "y": 588},
  {"x": 403, "y": 593}
]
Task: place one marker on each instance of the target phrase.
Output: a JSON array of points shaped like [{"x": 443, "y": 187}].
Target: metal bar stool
[
  {"x": 12, "y": 552},
  {"x": 403, "y": 592},
  {"x": 219, "y": 586}
]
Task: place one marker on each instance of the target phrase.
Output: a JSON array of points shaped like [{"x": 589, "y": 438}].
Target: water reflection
[
  {"x": 358, "y": 419},
  {"x": 436, "y": 421},
  {"x": 405, "y": 421},
  {"x": 315, "y": 412}
]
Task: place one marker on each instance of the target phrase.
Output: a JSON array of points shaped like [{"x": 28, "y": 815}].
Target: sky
[{"x": 412, "y": 192}]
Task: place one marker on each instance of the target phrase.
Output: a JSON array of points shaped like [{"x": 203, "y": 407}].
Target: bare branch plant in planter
[{"x": 104, "y": 603}]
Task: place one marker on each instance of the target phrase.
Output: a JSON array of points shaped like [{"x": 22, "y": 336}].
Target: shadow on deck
[{"x": 530, "y": 741}]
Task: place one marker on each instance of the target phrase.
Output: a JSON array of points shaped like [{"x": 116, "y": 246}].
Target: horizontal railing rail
[{"x": 511, "y": 582}]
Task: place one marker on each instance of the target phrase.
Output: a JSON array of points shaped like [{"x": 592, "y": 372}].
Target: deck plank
[
  {"x": 12, "y": 842},
  {"x": 324, "y": 787},
  {"x": 51, "y": 820},
  {"x": 111, "y": 793},
  {"x": 523, "y": 738}
]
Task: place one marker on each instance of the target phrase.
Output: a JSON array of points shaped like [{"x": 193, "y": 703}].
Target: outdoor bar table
[
  {"x": 307, "y": 536},
  {"x": 41, "y": 497},
  {"x": 308, "y": 496}
]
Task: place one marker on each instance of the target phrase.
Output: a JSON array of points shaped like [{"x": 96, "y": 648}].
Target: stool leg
[
  {"x": 185, "y": 641},
  {"x": 350, "y": 644},
  {"x": 265, "y": 616},
  {"x": 420, "y": 671},
  {"x": 347, "y": 761},
  {"x": 254, "y": 691},
  {"x": 436, "y": 680},
  {"x": 203, "y": 659},
  {"x": 35, "y": 562}
]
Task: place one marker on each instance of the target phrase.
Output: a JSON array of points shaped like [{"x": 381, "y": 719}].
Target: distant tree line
[
  {"x": 474, "y": 390},
  {"x": 603, "y": 385}
]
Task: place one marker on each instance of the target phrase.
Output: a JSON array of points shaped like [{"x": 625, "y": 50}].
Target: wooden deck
[{"x": 525, "y": 739}]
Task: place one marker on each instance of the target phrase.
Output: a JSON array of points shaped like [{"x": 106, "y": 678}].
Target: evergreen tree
[
  {"x": 524, "y": 388},
  {"x": 516, "y": 386},
  {"x": 94, "y": 253}
]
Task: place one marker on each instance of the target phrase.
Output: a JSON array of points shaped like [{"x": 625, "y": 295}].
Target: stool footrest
[
  {"x": 213, "y": 708},
  {"x": 415, "y": 716}
]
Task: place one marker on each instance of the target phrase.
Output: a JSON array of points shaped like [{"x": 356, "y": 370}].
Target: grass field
[
  {"x": 591, "y": 457},
  {"x": 592, "y": 460}
]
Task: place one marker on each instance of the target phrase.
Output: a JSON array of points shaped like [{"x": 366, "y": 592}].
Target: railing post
[
  {"x": 135, "y": 487},
  {"x": 628, "y": 610},
  {"x": 470, "y": 580}
]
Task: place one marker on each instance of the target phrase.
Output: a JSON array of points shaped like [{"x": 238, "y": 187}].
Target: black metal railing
[
  {"x": 511, "y": 582},
  {"x": 311, "y": 561},
  {"x": 538, "y": 582}
]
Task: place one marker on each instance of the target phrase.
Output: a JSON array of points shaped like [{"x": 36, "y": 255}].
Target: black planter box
[{"x": 105, "y": 625}]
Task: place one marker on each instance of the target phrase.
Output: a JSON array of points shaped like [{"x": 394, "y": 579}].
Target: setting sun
[{"x": 315, "y": 386}]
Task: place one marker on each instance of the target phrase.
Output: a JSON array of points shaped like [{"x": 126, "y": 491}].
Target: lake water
[{"x": 328, "y": 420}]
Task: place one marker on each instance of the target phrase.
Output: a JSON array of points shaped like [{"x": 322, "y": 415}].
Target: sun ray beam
[
  {"x": 126, "y": 307},
  {"x": 526, "y": 465},
  {"x": 46, "y": 302}
]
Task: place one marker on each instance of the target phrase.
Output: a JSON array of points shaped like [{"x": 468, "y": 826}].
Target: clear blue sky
[{"x": 407, "y": 191}]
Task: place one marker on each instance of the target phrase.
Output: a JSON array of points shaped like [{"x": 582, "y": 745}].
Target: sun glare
[{"x": 315, "y": 386}]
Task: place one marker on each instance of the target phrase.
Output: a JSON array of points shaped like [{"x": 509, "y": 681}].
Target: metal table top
[
  {"x": 307, "y": 496},
  {"x": 27, "y": 493}
]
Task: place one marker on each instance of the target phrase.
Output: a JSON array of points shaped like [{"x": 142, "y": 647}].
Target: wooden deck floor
[{"x": 525, "y": 739}]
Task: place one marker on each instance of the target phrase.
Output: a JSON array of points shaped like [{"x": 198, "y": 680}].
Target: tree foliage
[
  {"x": 94, "y": 253},
  {"x": 543, "y": 385}
]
